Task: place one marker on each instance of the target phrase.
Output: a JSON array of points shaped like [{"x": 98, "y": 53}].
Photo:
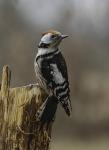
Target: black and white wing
[{"x": 61, "y": 83}]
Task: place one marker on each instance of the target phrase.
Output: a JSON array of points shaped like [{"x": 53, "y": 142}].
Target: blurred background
[{"x": 87, "y": 55}]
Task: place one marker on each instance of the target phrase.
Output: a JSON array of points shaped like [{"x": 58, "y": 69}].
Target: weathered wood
[{"x": 19, "y": 129}]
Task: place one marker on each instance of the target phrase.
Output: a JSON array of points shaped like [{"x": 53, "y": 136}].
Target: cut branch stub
[
  {"x": 18, "y": 126},
  {"x": 6, "y": 77}
]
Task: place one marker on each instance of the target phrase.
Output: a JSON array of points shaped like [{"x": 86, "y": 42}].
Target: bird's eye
[{"x": 53, "y": 36}]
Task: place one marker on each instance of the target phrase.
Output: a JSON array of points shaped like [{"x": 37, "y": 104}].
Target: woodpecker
[{"x": 51, "y": 72}]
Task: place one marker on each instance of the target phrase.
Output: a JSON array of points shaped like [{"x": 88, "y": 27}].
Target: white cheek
[
  {"x": 46, "y": 38},
  {"x": 43, "y": 51}
]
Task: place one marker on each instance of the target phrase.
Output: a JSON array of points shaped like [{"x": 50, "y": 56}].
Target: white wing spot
[{"x": 58, "y": 78}]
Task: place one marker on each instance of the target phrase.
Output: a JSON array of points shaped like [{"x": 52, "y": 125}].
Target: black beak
[{"x": 64, "y": 36}]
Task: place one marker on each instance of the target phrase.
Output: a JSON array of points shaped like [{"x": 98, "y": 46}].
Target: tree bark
[{"x": 19, "y": 129}]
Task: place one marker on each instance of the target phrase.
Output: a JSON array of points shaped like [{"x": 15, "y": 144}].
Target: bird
[{"x": 52, "y": 76}]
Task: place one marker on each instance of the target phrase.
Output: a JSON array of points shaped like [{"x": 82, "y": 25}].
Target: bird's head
[{"x": 51, "y": 39}]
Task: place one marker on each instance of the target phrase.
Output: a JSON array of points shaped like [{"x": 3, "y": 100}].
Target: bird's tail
[
  {"x": 46, "y": 112},
  {"x": 67, "y": 106}
]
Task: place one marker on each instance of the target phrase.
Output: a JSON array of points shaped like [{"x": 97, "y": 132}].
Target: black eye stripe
[
  {"x": 43, "y": 45},
  {"x": 53, "y": 36}
]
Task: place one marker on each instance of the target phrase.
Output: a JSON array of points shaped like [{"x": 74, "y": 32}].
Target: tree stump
[{"x": 19, "y": 129}]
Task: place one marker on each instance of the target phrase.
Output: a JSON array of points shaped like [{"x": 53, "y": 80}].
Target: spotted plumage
[{"x": 51, "y": 73}]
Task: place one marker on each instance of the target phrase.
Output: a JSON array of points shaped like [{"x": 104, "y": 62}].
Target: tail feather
[
  {"x": 46, "y": 112},
  {"x": 67, "y": 110},
  {"x": 67, "y": 106}
]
